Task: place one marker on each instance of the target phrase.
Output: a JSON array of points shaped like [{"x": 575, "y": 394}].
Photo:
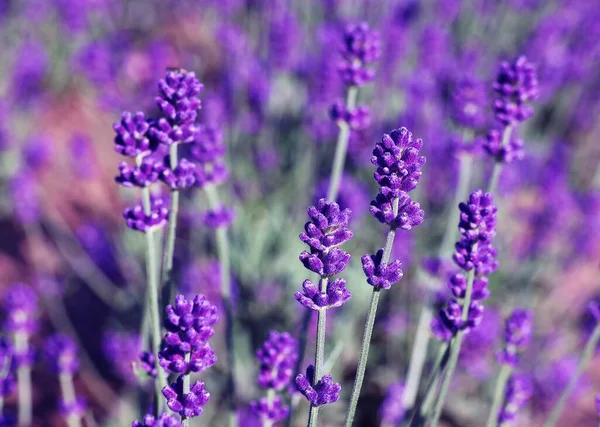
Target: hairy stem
[
  {"x": 319, "y": 351},
  {"x": 368, "y": 331},
  {"x": 503, "y": 377},
  {"x": 185, "y": 422},
  {"x": 341, "y": 148},
  {"x": 224, "y": 260},
  {"x": 23, "y": 380},
  {"x": 167, "y": 276},
  {"x": 455, "y": 345},
  {"x": 498, "y": 166},
  {"x": 588, "y": 352},
  {"x": 69, "y": 397}
]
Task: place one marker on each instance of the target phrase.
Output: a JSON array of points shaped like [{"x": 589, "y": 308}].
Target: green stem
[
  {"x": 455, "y": 345},
  {"x": 433, "y": 381},
  {"x": 69, "y": 397},
  {"x": 224, "y": 260},
  {"x": 503, "y": 376},
  {"x": 185, "y": 422},
  {"x": 23, "y": 380},
  {"x": 498, "y": 165},
  {"x": 167, "y": 277},
  {"x": 270, "y": 399},
  {"x": 319, "y": 351},
  {"x": 588, "y": 352},
  {"x": 341, "y": 148},
  {"x": 368, "y": 331}
]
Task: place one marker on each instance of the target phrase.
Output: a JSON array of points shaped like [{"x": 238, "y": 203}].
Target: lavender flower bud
[
  {"x": 362, "y": 46},
  {"x": 61, "y": 354},
  {"x": 379, "y": 275},
  {"x": 131, "y": 139},
  {"x": 183, "y": 176},
  {"x": 190, "y": 323},
  {"x": 164, "y": 420},
  {"x": 503, "y": 153},
  {"x": 517, "y": 335},
  {"x": 325, "y": 391},
  {"x": 277, "y": 358},
  {"x": 357, "y": 118},
  {"x": 172, "y": 359},
  {"x": 458, "y": 286},
  {"x": 516, "y": 84},
  {"x": 148, "y": 363},
  {"x": 335, "y": 296},
  {"x": 144, "y": 175},
  {"x": 218, "y": 217},
  {"x": 518, "y": 391},
  {"x": 392, "y": 409},
  {"x": 270, "y": 411},
  {"x": 469, "y": 103},
  {"x": 208, "y": 151},
  {"x": 20, "y": 305},
  {"x": 136, "y": 219},
  {"x": 187, "y": 405}
]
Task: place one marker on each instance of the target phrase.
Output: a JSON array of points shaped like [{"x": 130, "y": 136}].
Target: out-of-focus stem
[
  {"x": 319, "y": 351},
  {"x": 341, "y": 148},
  {"x": 498, "y": 166},
  {"x": 223, "y": 254},
  {"x": 270, "y": 399},
  {"x": 23, "y": 380},
  {"x": 69, "y": 397},
  {"x": 503, "y": 377},
  {"x": 588, "y": 352},
  {"x": 185, "y": 422},
  {"x": 368, "y": 331},
  {"x": 167, "y": 276},
  {"x": 455, "y": 346}
]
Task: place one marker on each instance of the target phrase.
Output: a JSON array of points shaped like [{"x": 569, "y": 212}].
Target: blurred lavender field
[{"x": 165, "y": 153}]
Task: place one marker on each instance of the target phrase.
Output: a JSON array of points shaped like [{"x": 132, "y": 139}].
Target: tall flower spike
[
  {"x": 277, "y": 360},
  {"x": 518, "y": 392},
  {"x": 361, "y": 47},
  {"x": 187, "y": 405},
  {"x": 322, "y": 392},
  {"x": 517, "y": 335}
]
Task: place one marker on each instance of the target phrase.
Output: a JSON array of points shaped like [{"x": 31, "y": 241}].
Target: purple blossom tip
[
  {"x": 131, "y": 139},
  {"x": 148, "y": 363},
  {"x": 458, "y": 286},
  {"x": 277, "y": 357},
  {"x": 409, "y": 213},
  {"x": 503, "y": 153},
  {"x": 164, "y": 420},
  {"x": 357, "y": 118},
  {"x": 218, "y": 217},
  {"x": 519, "y": 390},
  {"x": 172, "y": 358},
  {"x": 314, "y": 299},
  {"x": 516, "y": 84},
  {"x": 270, "y": 411},
  {"x": 183, "y": 176},
  {"x": 187, "y": 405},
  {"x": 361, "y": 47},
  {"x": 61, "y": 354},
  {"x": 20, "y": 304},
  {"x": 189, "y": 323},
  {"x": 323, "y": 392},
  {"x": 136, "y": 219},
  {"x": 517, "y": 335},
  {"x": 381, "y": 275}
]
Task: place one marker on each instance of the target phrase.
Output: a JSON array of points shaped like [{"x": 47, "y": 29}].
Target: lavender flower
[
  {"x": 23, "y": 194},
  {"x": 357, "y": 118},
  {"x": 7, "y": 378},
  {"x": 122, "y": 350},
  {"x": 164, "y": 420},
  {"x": 517, "y": 335},
  {"x": 468, "y": 103},
  {"x": 173, "y": 359},
  {"x": 361, "y": 47},
  {"x": 516, "y": 84},
  {"x": 318, "y": 393},
  {"x": 61, "y": 354},
  {"x": 219, "y": 217},
  {"x": 270, "y": 410},
  {"x": 181, "y": 177},
  {"x": 148, "y": 363},
  {"x": 187, "y": 405},
  {"x": 277, "y": 360},
  {"x": 312, "y": 298},
  {"x": 21, "y": 305},
  {"x": 381, "y": 275},
  {"x": 132, "y": 139},
  {"x": 392, "y": 410},
  {"x": 179, "y": 104},
  {"x": 508, "y": 153},
  {"x": 518, "y": 391},
  {"x": 136, "y": 219}
]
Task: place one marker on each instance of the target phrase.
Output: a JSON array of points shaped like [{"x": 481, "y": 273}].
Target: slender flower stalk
[
  {"x": 326, "y": 231},
  {"x": 20, "y": 304},
  {"x": 398, "y": 171},
  {"x": 586, "y": 356},
  {"x": 7, "y": 379}
]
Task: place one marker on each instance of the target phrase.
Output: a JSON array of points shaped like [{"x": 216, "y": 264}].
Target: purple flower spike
[
  {"x": 219, "y": 217},
  {"x": 335, "y": 296},
  {"x": 183, "y": 176},
  {"x": 517, "y": 335},
  {"x": 503, "y": 153},
  {"x": 392, "y": 409},
  {"x": 379, "y": 275},
  {"x": 144, "y": 175},
  {"x": 409, "y": 214},
  {"x": 469, "y": 103},
  {"x": 357, "y": 119},
  {"x": 208, "y": 151},
  {"x": 277, "y": 358},
  {"x": 164, "y": 420},
  {"x": 61, "y": 354},
  {"x": 136, "y": 219},
  {"x": 148, "y": 363},
  {"x": 322, "y": 393},
  {"x": 20, "y": 305},
  {"x": 362, "y": 46},
  {"x": 458, "y": 286},
  {"x": 516, "y": 84},
  {"x": 451, "y": 317},
  {"x": 518, "y": 391},
  {"x": 172, "y": 359},
  {"x": 270, "y": 411},
  {"x": 190, "y": 323},
  {"x": 187, "y": 405},
  {"x": 179, "y": 104},
  {"x": 131, "y": 139},
  {"x": 326, "y": 230}
]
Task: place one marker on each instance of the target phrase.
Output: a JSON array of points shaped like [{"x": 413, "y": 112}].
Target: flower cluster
[
  {"x": 21, "y": 305},
  {"x": 321, "y": 392},
  {"x": 207, "y": 150},
  {"x": 361, "y": 47},
  {"x": 469, "y": 103},
  {"x": 357, "y": 118},
  {"x": 185, "y": 349},
  {"x": 475, "y": 255},
  {"x": 518, "y": 391},
  {"x": 517, "y": 335},
  {"x": 513, "y": 150},
  {"x": 398, "y": 169},
  {"x": 152, "y": 142},
  {"x": 277, "y": 358},
  {"x": 164, "y": 420},
  {"x": 516, "y": 84}
]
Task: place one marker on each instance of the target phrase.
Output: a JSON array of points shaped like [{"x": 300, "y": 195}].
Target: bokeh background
[{"x": 68, "y": 68}]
